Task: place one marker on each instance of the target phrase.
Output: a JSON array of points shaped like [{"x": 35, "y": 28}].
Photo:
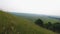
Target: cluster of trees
[{"x": 51, "y": 26}]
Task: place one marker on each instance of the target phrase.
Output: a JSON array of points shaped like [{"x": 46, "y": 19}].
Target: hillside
[
  {"x": 34, "y": 17},
  {"x": 10, "y": 24}
]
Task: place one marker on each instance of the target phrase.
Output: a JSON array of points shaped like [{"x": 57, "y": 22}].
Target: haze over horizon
[{"x": 46, "y": 7}]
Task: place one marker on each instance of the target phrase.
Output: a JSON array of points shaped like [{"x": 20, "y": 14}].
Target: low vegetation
[
  {"x": 11, "y": 24},
  {"x": 50, "y": 26}
]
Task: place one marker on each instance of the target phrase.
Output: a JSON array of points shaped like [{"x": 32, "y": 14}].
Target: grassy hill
[{"x": 10, "y": 24}]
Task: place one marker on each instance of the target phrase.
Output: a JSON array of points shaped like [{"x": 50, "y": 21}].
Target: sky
[{"x": 46, "y": 7}]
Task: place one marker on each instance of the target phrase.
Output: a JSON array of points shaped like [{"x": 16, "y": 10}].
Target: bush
[{"x": 39, "y": 22}]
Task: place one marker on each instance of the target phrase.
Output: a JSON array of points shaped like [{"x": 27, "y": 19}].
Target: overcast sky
[{"x": 47, "y": 7}]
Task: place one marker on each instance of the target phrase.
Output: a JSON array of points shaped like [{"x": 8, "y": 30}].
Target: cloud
[{"x": 48, "y": 7}]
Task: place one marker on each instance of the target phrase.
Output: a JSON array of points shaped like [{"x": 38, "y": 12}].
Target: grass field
[{"x": 11, "y": 24}]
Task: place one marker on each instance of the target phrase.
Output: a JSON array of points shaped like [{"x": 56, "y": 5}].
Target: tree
[
  {"x": 39, "y": 22},
  {"x": 56, "y": 27},
  {"x": 48, "y": 25}
]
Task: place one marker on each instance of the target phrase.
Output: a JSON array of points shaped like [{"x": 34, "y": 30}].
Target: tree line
[{"x": 50, "y": 26}]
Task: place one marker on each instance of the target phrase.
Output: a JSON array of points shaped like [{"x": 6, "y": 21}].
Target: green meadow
[{"x": 11, "y": 24}]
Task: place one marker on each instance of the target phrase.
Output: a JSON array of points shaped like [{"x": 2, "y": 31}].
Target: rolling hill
[
  {"x": 34, "y": 17},
  {"x": 11, "y": 24}
]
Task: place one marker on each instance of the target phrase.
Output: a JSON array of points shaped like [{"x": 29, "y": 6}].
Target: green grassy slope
[{"x": 15, "y": 25}]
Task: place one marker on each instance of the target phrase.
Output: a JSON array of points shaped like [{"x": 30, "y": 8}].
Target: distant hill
[
  {"x": 54, "y": 17},
  {"x": 11, "y": 24},
  {"x": 34, "y": 17}
]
